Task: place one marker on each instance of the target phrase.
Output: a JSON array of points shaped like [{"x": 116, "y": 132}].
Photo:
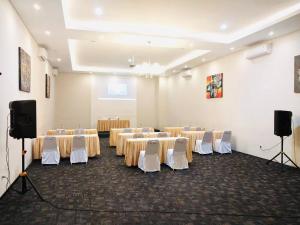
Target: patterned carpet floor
[{"x": 216, "y": 189}]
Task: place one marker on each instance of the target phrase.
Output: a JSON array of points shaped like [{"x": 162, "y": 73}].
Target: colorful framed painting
[
  {"x": 297, "y": 75},
  {"x": 214, "y": 86},
  {"x": 47, "y": 86},
  {"x": 24, "y": 71}
]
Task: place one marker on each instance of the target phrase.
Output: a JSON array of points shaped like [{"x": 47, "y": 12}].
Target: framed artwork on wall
[
  {"x": 24, "y": 71},
  {"x": 47, "y": 86},
  {"x": 297, "y": 75},
  {"x": 214, "y": 86}
]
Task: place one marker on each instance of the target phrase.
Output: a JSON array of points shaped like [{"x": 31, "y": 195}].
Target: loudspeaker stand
[
  {"x": 281, "y": 153},
  {"x": 24, "y": 176}
]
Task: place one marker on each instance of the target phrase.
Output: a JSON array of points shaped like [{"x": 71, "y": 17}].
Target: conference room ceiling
[{"x": 163, "y": 37}]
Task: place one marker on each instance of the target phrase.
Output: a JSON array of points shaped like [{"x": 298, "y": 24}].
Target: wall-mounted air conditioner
[
  {"x": 43, "y": 54},
  {"x": 258, "y": 51}
]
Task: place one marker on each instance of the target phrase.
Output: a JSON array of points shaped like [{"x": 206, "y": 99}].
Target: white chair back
[
  {"x": 127, "y": 130},
  {"x": 186, "y": 128},
  {"x": 146, "y": 129},
  {"x": 162, "y": 134},
  {"x": 78, "y": 142},
  {"x": 60, "y": 131},
  {"x": 226, "y": 136},
  {"x": 180, "y": 145},
  {"x": 138, "y": 135},
  {"x": 152, "y": 147},
  {"x": 79, "y": 131},
  {"x": 208, "y": 137},
  {"x": 50, "y": 144}
]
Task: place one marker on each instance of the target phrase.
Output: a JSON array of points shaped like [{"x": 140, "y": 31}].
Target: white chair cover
[
  {"x": 79, "y": 152},
  {"x": 186, "y": 128},
  {"x": 204, "y": 146},
  {"x": 79, "y": 131},
  {"x": 138, "y": 135},
  {"x": 50, "y": 154},
  {"x": 149, "y": 159},
  {"x": 224, "y": 145},
  {"x": 60, "y": 131},
  {"x": 127, "y": 130},
  {"x": 162, "y": 134},
  {"x": 176, "y": 158}
]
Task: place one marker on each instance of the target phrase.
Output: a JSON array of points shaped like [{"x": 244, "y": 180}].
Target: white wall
[
  {"x": 73, "y": 101},
  {"x": 252, "y": 91},
  {"x": 77, "y": 100},
  {"x": 14, "y": 34}
]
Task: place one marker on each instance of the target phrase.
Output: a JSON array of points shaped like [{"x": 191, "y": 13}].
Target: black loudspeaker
[
  {"x": 22, "y": 119},
  {"x": 282, "y": 123}
]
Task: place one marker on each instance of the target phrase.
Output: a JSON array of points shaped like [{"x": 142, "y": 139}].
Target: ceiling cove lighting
[
  {"x": 142, "y": 29},
  {"x": 36, "y": 7}
]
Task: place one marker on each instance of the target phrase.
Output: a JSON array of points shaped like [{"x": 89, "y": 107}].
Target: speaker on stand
[
  {"x": 23, "y": 125},
  {"x": 282, "y": 127}
]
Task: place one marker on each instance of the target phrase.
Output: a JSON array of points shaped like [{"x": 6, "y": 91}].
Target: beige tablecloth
[
  {"x": 106, "y": 125},
  {"x": 122, "y": 137},
  {"x": 65, "y": 143},
  {"x": 71, "y": 132},
  {"x": 135, "y": 145},
  {"x": 113, "y": 136},
  {"x": 195, "y": 135},
  {"x": 176, "y": 131}
]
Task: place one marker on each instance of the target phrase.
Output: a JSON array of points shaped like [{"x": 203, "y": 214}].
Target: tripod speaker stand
[{"x": 282, "y": 127}]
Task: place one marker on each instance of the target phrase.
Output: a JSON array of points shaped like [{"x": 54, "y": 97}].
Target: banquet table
[
  {"x": 176, "y": 131},
  {"x": 65, "y": 143},
  {"x": 195, "y": 135},
  {"x": 72, "y": 131},
  {"x": 113, "y": 136},
  {"x": 135, "y": 145},
  {"x": 122, "y": 137},
  {"x": 106, "y": 125}
]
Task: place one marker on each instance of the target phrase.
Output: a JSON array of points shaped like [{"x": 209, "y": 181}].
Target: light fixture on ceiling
[
  {"x": 224, "y": 26},
  {"x": 271, "y": 33},
  {"x": 47, "y": 32},
  {"x": 37, "y": 7},
  {"x": 58, "y": 59},
  {"x": 98, "y": 11},
  {"x": 174, "y": 71},
  {"x": 203, "y": 59},
  {"x": 131, "y": 62},
  {"x": 232, "y": 48}
]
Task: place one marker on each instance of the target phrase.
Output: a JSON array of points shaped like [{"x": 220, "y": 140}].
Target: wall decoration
[
  {"x": 214, "y": 86},
  {"x": 297, "y": 75},
  {"x": 24, "y": 71},
  {"x": 47, "y": 86}
]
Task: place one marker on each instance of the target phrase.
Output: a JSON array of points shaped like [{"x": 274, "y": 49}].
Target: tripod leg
[
  {"x": 273, "y": 158},
  {"x": 35, "y": 189},
  {"x": 291, "y": 160}
]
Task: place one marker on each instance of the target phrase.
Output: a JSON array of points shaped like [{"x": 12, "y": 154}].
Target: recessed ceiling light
[
  {"x": 47, "y": 32},
  {"x": 232, "y": 48},
  {"x": 224, "y": 26},
  {"x": 58, "y": 59},
  {"x": 98, "y": 11},
  {"x": 36, "y": 7},
  {"x": 271, "y": 33},
  {"x": 174, "y": 71},
  {"x": 185, "y": 66},
  {"x": 203, "y": 59}
]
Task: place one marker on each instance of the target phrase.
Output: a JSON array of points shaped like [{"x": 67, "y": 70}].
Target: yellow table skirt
[
  {"x": 71, "y": 132},
  {"x": 196, "y": 135},
  {"x": 65, "y": 143},
  {"x": 122, "y": 137},
  {"x": 113, "y": 136},
  {"x": 133, "y": 147},
  {"x": 106, "y": 125},
  {"x": 176, "y": 131}
]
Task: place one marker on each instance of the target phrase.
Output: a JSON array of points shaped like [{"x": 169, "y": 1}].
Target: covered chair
[
  {"x": 79, "y": 152},
  {"x": 146, "y": 129},
  {"x": 204, "y": 146},
  {"x": 50, "y": 154},
  {"x": 199, "y": 129},
  {"x": 79, "y": 131},
  {"x": 60, "y": 132},
  {"x": 149, "y": 160},
  {"x": 186, "y": 128},
  {"x": 223, "y": 145},
  {"x": 176, "y": 158},
  {"x": 127, "y": 130},
  {"x": 138, "y": 135},
  {"x": 163, "y": 134}
]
